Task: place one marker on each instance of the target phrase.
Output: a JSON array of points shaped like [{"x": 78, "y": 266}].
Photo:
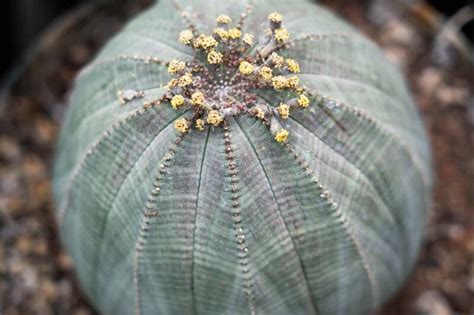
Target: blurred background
[
  {"x": 21, "y": 23},
  {"x": 23, "y": 20},
  {"x": 46, "y": 42}
]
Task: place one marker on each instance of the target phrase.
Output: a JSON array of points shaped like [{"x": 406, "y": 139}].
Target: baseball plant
[{"x": 223, "y": 157}]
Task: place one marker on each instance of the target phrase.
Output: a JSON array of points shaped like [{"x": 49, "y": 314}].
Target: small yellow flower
[
  {"x": 181, "y": 125},
  {"x": 246, "y": 68},
  {"x": 279, "y": 82},
  {"x": 293, "y": 82},
  {"x": 197, "y": 98},
  {"x": 177, "y": 101},
  {"x": 282, "y": 34},
  {"x": 275, "y": 17},
  {"x": 186, "y": 37},
  {"x": 277, "y": 60},
  {"x": 222, "y": 33},
  {"x": 205, "y": 42},
  {"x": 214, "y": 118},
  {"x": 284, "y": 111},
  {"x": 248, "y": 39},
  {"x": 303, "y": 100},
  {"x": 200, "y": 124},
  {"x": 293, "y": 66},
  {"x": 235, "y": 33},
  {"x": 282, "y": 135},
  {"x": 260, "y": 113},
  {"x": 175, "y": 66},
  {"x": 273, "y": 72},
  {"x": 214, "y": 57},
  {"x": 299, "y": 90},
  {"x": 185, "y": 80},
  {"x": 266, "y": 73},
  {"x": 223, "y": 19},
  {"x": 172, "y": 83}
]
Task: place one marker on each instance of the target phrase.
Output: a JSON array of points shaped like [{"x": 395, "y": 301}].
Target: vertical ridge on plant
[
  {"x": 318, "y": 229},
  {"x": 240, "y": 234},
  {"x": 210, "y": 165},
  {"x": 177, "y": 228}
]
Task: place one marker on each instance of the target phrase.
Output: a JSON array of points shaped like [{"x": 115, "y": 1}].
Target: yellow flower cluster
[
  {"x": 271, "y": 71},
  {"x": 303, "y": 101},
  {"x": 235, "y": 33},
  {"x": 214, "y": 57},
  {"x": 277, "y": 60},
  {"x": 246, "y": 68},
  {"x": 248, "y": 39},
  {"x": 176, "y": 66},
  {"x": 223, "y": 19},
  {"x": 172, "y": 83},
  {"x": 260, "y": 113},
  {"x": 205, "y": 42},
  {"x": 293, "y": 82},
  {"x": 200, "y": 124},
  {"x": 186, "y": 37},
  {"x": 177, "y": 101},
  {"x": 185, "y": 80},
  {"x": 197, "y": 98},
  {"x": 282, "y": 34},
  {"x": 266, "y": 73},
  {"x": 279, "y": 82},
  {"x": 282, "y": 136},
  {"x": 222, "y": 33},
  {"x": 293, "y": 66},
  {"x": 181, "y": 125},
  {"x": 275, "y": 17},
  {"x": 214, "y": 118},
  {"x": 284, "y": 111}
]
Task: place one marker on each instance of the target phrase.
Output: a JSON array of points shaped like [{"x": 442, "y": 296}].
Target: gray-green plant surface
[{"x": 227, "y": 220}]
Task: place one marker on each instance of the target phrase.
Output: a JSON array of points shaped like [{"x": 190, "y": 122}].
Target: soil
[{"x": 36, "y": 276}]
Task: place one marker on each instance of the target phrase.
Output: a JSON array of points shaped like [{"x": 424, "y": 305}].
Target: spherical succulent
[{"x": 241, "y": 158}]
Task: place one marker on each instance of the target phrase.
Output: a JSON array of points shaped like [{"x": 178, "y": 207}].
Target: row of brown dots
[
  {"x": 92, "y": 150},
  {"x": 247, "y": 11},
  {"x": 149, "y": 214},
  {"x": 312, "y": 37},
  {"x": 237, "y": 218},
  {"x": 186, "y": 16},
  {"x": 331, "y": 103},
  {"x": 325, "y": 194}
]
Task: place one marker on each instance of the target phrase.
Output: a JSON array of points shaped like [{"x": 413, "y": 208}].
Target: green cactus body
[{"x": 201, "y": 176}]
